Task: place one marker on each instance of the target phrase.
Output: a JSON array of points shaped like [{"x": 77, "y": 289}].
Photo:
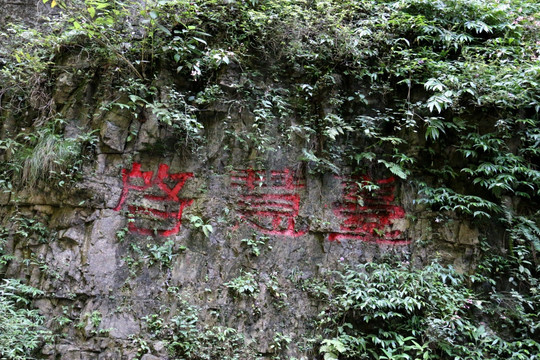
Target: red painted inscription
[
  {"x": 367, "y": 212},
  {"x": 269, "y": 205},
  {"x": 153, "y": 200}
]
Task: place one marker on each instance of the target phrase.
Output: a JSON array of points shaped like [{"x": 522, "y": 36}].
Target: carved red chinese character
[
  {"x": 153, "y": 200},
  {"x": 368, "y": 213},
  {"x": 269, "y": 205}
]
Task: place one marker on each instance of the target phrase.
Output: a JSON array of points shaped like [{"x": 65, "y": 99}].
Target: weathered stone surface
[
  {"x": 127, "y": 243},
  {"x": 110, "y": 355},
  {"x": 147, "y": 132},
  {"x": 114, "y": 130},
  {"x": 12, "y": 10},
  {"x": 4, "y": 198},
  {"x": 113, "y": 136},
  {"x": 98, "y": 252},
  {"x": 65, "y": 85},
  {"x": 121, "y": 325},
  {"x": 150, "y": 357},
  {"x": 468, "y": 235},
  {"x": 98, "y": 192}
]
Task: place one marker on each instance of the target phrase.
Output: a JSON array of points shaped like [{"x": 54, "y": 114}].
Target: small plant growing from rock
[
  {"x": 162, "y": 254},
  {"x": 186, "y": 337},
  {"x": 273, "y": 287},
  {"x": 280, "y": 344},
  {"x": 90, "y": 323},
  {"x": 197, "y": 222},
  {"x": 245, "y": 284},
  {"x": 255, "y": 243}
]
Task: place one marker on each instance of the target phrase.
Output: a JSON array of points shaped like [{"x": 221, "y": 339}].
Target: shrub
[
  {"x": 21, "y": 330},
  {"x": 393, "y": 311}
]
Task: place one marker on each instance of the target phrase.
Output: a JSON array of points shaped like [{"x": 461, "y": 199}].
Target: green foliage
[
  {"x": 464, "y": 53},
  {"x": 280, "y": 343},
  {"x": 162, "y": 254},
  {"x": 25, "y": 229},
  {"x": 245, "y": 284},
  {"x": 255, "y": 243},
  {"x": 91, "y": 323},
  {"x": 51, "y": 156},
  {"x": 138, "y": 256},
  {"x": 275, "y": 287},
  {"x": 186, "y": 338},
  {"x": 23, "y": 70},
  {"x": 21, "y": 329},
  {"x": 513, "y": 279},
  {"x": 44, "y": 156},
  {"x": 198, "y": 223},
  {"x": 393, "y": 311},
  {"x": 122, "y": 233},
  {"x": 445, "y": 92},
  {"x": 445, "y": 199},
  {"x": 175, "y": 113}
]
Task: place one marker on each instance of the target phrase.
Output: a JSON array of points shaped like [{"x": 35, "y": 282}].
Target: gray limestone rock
[{"x": 154, "y": 237}]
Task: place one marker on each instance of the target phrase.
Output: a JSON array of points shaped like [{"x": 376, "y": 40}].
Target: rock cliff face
[
  {"x": 174, "y": 216},
  {"x": 154, "y": 231}
]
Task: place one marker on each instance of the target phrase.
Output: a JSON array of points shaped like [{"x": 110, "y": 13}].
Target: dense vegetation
[{"x": 443, "y": 94}]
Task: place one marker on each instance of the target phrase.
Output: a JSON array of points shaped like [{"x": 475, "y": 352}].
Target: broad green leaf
[
  {"x": 92, "y": 11},
  {"x": 200, "y": 40}
]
